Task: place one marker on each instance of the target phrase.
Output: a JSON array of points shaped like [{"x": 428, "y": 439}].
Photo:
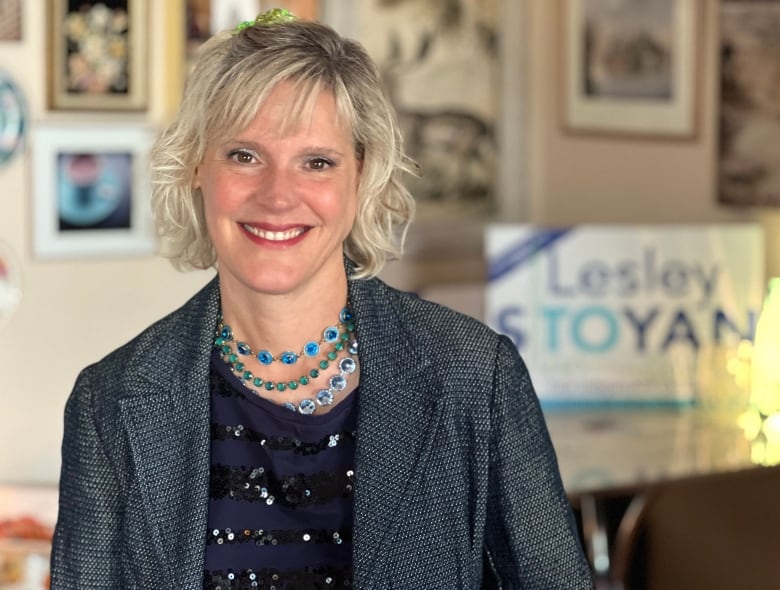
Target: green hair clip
[{"x": 270, "y": 17}]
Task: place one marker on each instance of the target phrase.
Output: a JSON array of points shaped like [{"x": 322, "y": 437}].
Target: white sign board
[{"x": 621, "y": 313}]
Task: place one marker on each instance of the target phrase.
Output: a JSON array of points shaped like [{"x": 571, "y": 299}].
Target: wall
[{"x": 73, "y": 312}]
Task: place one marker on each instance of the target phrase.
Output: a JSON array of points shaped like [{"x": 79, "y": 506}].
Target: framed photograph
[
  {"x": 27, "y": 518},
  {"x": 749, "y": 138},
  {"x": 630, "y": 67},
  {"x": 97, "y": 54},
  {"x": 92, "y": 189},
  {"x": 10, "y": 20}
]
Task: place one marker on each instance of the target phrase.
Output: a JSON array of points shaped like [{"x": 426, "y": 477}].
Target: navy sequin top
[{"x": 280, "y": 496}]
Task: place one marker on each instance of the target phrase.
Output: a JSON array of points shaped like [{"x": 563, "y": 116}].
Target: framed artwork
[
  {"x": 630, "y": 67},
  {"x": 97, "y": 54},
  {"x": 206, "y": 17},
  {"x": 91, "y": 194},
  {"x": 27, "y": 518},
  {"x": 10, "y": 20},
  {"x": 749, "y": 139}
]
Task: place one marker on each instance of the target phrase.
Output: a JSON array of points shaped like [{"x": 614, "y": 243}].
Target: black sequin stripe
[
  {"x": 221, "y": 387},
  {"x": 223, "y": 432},
  {"x": 257, "y": 485},
  {"x": 326, "y": 578},
  {"x": 262, "y": 537}
]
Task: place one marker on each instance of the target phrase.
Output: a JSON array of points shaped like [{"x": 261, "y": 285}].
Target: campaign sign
[{"x": 621, "y": 313}]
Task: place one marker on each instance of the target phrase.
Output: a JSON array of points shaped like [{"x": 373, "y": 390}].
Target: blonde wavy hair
[{"x": 232, "y": 76}]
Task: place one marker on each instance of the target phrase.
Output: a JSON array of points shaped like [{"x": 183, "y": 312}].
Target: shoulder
[{"x": 434, "y": 330}]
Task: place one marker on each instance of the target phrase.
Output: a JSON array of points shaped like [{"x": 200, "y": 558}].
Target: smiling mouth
[{"x": 274, "y": 236}]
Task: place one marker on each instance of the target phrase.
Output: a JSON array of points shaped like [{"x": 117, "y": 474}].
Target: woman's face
[{"x": 279, "y": 206}]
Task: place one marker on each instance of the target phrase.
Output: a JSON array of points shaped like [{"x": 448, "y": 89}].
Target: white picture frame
[
  {"x": 92, "y": 191},
  {"x": 649, "y": 92}
]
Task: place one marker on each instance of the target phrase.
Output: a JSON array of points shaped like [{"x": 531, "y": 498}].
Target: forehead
[{"x": 290, "y": 109}]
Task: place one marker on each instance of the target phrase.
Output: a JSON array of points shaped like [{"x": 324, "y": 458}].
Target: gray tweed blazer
[{"x": 456, "y": 482}]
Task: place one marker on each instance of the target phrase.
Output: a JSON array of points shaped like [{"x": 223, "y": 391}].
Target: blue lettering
[
  {"x": 505, "y": 326},
  {"x": 641, "y": 325},
  {"x": 609, "y": 321},
  {"x": 680, "y": 329}
]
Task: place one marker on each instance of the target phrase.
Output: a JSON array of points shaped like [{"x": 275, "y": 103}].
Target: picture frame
[
  {"x": 10, "y": 20},
  {"x": 98, "y": 55},
  {"x": 92, "y": 191},
  {"x": 631, "y": 67},
  {"x": 748, "y": 170},
  {"x": 203, "y": 18},
  {"x": 28, "y": 514}
]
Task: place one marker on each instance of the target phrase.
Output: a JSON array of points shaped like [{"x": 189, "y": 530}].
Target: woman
[{"x": 247, "y": 440}]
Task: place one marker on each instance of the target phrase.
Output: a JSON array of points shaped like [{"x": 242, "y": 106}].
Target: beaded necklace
[{"x": 340, "y": 336}]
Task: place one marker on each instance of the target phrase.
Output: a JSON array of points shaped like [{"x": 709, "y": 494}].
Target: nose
[{"x": 278, "y": 189}]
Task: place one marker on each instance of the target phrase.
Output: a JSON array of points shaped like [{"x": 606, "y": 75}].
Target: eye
[
  {"x": 242, "y": 156},
  {"x": 318, "y": 163}
]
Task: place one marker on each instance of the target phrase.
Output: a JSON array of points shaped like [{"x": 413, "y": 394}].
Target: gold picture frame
[{"x": 98, "y": 55}]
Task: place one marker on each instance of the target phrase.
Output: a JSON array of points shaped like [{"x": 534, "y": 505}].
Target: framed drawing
[
  {"x": 91, "y": 196},
  {"x": 630, "y": 67},
  {"x": 97, "y": 54},
  {"x": 749, "y": 138},
  {"x": 10, "y": 20}
]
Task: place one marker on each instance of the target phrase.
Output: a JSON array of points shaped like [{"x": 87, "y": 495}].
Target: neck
[{"x": 281, "y": 321}]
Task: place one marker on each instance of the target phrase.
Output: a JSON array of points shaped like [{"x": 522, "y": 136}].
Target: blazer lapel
[
  {"x": 393, "y": 391},
  {"x": 167, "y": 421}
]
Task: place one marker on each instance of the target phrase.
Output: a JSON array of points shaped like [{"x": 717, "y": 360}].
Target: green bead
[
  {"x": 269, "y": 385},
  {"x": 225, "y": 349},
  {"x": 344, "y": 337},
  {"x": 292, "y": 385},
  {"x": 239, "y": 367},
  {"x": 324, "y": 364},
  {"x": 339, "y": 346},
  {"x": 332, "y": 355},
  {"x": 350, "y": 327},
  {"x": 304, "y": 380},
  {"x": 314, "y": 373},
  {"x": 233, "y": 358},
  {"x": 281, "y": 386},
  {"x": 247, "y": 375},
  {"x": 219, "y": 341},
  {"x": 257, "y": 382}
]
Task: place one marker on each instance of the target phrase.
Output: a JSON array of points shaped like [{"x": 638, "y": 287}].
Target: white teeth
[{"x": 274, "y": 236}]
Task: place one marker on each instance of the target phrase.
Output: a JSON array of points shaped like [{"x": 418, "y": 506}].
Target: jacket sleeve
[
  {"x": 531, "y": 539},
  {"x": 86, "y": 552}
]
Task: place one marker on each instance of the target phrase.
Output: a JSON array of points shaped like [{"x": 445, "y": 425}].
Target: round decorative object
[
  {"x": 10, "y": 283},
  {"x": 12, "y": 118}
]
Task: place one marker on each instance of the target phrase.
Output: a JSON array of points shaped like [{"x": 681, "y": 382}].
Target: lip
[{"x": 274, "y": 236}]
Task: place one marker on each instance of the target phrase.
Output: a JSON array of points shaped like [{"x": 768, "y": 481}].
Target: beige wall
[{"x": 73, "y": 312}]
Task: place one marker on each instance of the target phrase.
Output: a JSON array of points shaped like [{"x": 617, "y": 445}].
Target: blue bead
[
  {"x": 307, "y": 407},
  {"x": 345, "y": 315},
  {"x": 353, "y": 347},
  {"x": 243, "y": 348},
  {"x": 290, "y": 406},
  {"x": 311, "y": 348},
  {"x": 324, "y": 397},
  {"x": 347, "y": 365},
  {"x": 338, "y": 382},
  {"x": 265, "y": 357},
  {"x": 288, "y": 357},
  {"x": 227, "y": 333},
  {"x": 331, "y": 334}
]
